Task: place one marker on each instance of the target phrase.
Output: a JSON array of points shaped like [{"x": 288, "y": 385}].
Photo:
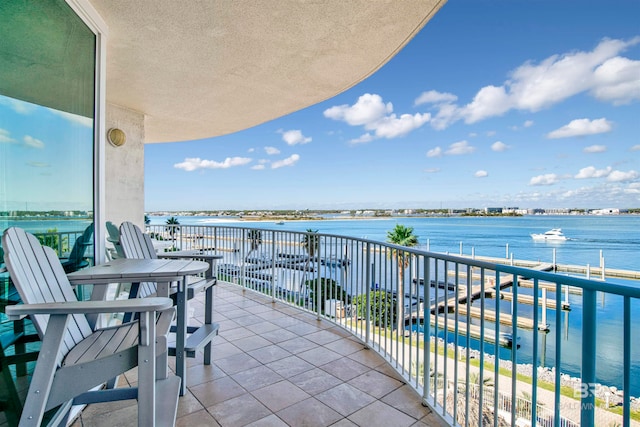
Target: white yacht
[{"x": 553, "y": 235}]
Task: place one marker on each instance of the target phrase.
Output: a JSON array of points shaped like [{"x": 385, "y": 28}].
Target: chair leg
[
  {"x": 147, "y": 370},
  {"x": 11, "y": 404},
  {"x": 44, "y": 372}
]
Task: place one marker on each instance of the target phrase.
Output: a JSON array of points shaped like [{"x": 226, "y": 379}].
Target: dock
[{"x": 472, "y": 330}]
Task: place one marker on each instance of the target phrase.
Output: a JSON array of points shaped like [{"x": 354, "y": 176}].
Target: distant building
[
  {"x": 492, "y": 210},
  {"x": 610, "y": 211}
]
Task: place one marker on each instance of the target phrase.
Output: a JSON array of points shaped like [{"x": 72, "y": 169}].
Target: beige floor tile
[
  {"x": 345, "y": 399},
  {"x": 197, "y": 419},
  {"x": 375, "y": 383},
  {"x": 278, "y": 335},
  {"x": 251, "y": 343},
  {"x": 255, "y": 378},
  {"x": 202, "y": 373},
  {"x": 188, "y": 404},
  {"x": 239, "y": 411},
  {"x": 368, "y": 358},
  {"x": 315, "y": 381},
  {"x": 269, "y": 353},
  {"x": 237, "y": 363},
  {"x": 269, "y": 421},
  {"x": 309, "y": 413},
  {"x": 345, "y": 368},
  {"x": 297, "y": 345},
  {"x": 379, "y": 414},
  {"x": 303, "y": 328},
  {"x": 407, "y": 400},
  {"x": 290, "y": 366},
  {"x": 323, "y": 337},
  {"x": 216, "y": 391},
  {"x": 344, "y": 346},
  {"x": 319, "y": 356},
  {"x": 260, "y": 328},
  {"x": 345, "y": 423},
  {"x": 280, "y": 395}
]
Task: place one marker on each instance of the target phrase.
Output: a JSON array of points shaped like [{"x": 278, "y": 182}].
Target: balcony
[
  {"x": 320, "y": 329},
  {"x": 277, "y": 365}
]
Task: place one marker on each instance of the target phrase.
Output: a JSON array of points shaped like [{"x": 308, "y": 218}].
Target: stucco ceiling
[{"x": 199, "y": 69}]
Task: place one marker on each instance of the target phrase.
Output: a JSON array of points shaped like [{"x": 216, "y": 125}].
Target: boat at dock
[{"x": 553, "y": 235}]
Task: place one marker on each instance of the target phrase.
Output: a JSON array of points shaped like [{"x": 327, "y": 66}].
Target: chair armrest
[{"x": 137, "y": 305}]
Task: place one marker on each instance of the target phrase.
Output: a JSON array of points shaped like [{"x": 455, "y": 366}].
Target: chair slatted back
[
  {"x": 137, "y": 245},
  {"x": 39, "y": 277}
]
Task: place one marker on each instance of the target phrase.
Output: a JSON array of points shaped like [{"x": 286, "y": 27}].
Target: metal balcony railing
[{"x": 440, "y": 320}]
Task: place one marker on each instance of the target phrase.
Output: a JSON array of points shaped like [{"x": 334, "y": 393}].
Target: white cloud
[
  {"x": 293, "y": 137},
  {"x": 635, "y": 148},
  {"x": 39, "y": 164},
  {"x": 435, "y": 152},
  {"x": 73, "y": 118},
  {"x": 581, "y": 127},
  {"x": 362, "y": 139},
  {"x": 289, "y": 161},
  {"x": 546, "y": 179},
  {"x": 271, "y": 150},
  {"x": 258, "y": 167},
  {"x": 528, "y": 123},
  {"x": 5, "y": 136},
  {"x": 499, "y": 146},
  {"x": 435, "y": 97},
  {"x": 595, "y": 149},
  {"x": 601, "y": 73},
  {"x": 392, "y": 127},
  {"x": 460, "y": 148},
  {"x": 619, "y": 176},
  {"x": 617, "y": 81},
  {"x": 251, "y": 150},
  {"x": 32, "y": 142},
  {"x": 20, "y": 107},
  {"x": 481, "y": 174},
  {"x": 374, "y": 115},
  {"x": 432, "y": 170},
  {"x": 194, "y": 163},
  {"x": 592, "y": 172},
  {"x": 368, "y": 109},
  {"x": 490, "y": 101}
]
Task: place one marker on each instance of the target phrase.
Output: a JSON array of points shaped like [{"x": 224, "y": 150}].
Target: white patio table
[{"x": 161, "y": 271}]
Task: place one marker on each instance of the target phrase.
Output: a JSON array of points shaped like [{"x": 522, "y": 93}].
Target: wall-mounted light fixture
[{"x": 116, "y": 137}]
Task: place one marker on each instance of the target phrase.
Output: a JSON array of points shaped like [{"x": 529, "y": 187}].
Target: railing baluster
[
  {"x": 626, "y": 374},
  {"x": 534, "y": 363},
  {"x": 588, "y": 373},
  {"x": 556, "y": 408}
]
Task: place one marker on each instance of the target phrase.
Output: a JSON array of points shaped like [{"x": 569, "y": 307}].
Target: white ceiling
[{"x": 199, "y": 69}]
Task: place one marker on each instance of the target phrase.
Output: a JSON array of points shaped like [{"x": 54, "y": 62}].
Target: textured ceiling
[{"x": 199, "y": 69}]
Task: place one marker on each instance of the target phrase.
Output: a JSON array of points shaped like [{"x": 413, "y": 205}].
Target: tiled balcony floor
[{"x": 275, "y": 365}]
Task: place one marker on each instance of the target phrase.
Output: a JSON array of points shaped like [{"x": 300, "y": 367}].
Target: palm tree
[
  {"x": 310, "y": 242},
  {"x": 255, "y": 238},
  {"x": 171, "y": 226},
  {"x": 401, "y": 236}
]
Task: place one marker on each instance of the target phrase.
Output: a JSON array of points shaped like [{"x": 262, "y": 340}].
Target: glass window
[{"x": 47, "y": 104}]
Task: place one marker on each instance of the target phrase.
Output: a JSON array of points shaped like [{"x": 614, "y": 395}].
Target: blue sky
[
  {"x": 46, "y": 158},
  {"x": 493, "y": 103}
]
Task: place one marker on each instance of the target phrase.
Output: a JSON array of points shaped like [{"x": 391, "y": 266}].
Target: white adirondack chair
[
  {"x": 135, "y": 244},
  {"x": 75, "y": 360},
  {"x": 138, "y": 245}
]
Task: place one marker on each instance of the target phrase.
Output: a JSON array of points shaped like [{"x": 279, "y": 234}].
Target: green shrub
[
  {"x": 384, "y": 310},
  {"x": 329, "y": 289}
]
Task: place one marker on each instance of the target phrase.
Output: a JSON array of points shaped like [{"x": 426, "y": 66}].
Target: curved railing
[{"x": 411, "y": 306}]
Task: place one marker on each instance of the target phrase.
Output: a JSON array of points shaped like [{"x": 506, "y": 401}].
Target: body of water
[{"x": 616, "y": 238}]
